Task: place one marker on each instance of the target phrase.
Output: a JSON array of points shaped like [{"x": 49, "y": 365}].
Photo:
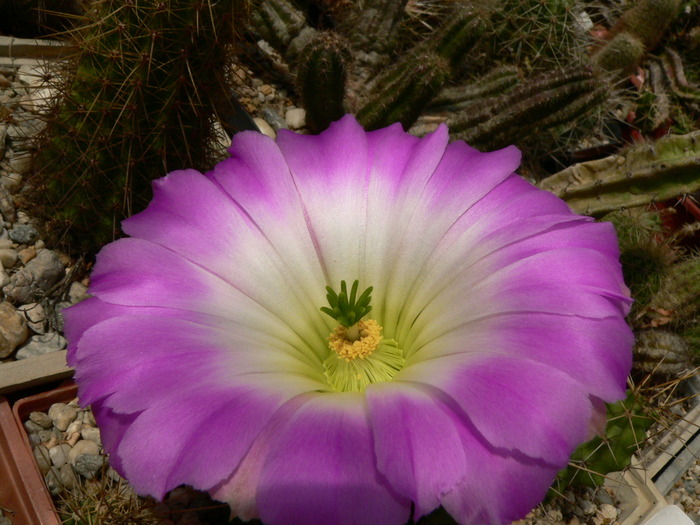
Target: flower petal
[
  {"x": 140, "y": 355},
  {"x": 502, "y": 396},
  {"x": 498, "y": 488},
  {"x": 158, "y": 455},
  {"x": 320, "y": 469},
  {"x": 560, "y": 341},
  {"x": 135, "y": 272},
  {"x": 418, "y": 447}
]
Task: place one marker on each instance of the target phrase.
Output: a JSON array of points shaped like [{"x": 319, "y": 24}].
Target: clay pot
[{"x": 23, "y": 492}]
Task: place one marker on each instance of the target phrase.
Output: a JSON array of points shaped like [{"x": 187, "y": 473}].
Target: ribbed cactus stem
[
  {"x": 496, "y": 82},
  {"x": 548, "y": 100},
  {"x": 405, "y": 91},
  {"x": 640, "y": 175},
  {"x": 461, "y": 30},
  {"x": 321, "y": 74},
  {"x": 638, "y": 31},
  {"x": 278, "y": 22},
  {"x": 621, "y": 55},
  {"x": 375, "y": 26}
]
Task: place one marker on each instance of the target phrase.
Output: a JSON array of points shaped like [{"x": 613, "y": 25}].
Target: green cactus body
[
  {"x": 662, "y": 354},
  {"x": 405, "y": 89},
  {"x": 612, "y": 452},
  {"x": 621, "y": 55},
  {"x": 648, "y": 20},
  {"x": 639, "y": 30},
  {"x": 549, "y": 100},
  {"x": 278, "y": 22},
  {"x": 494, "y": 83},
  {"x": 137, "y": 105},
  {"x": 644, "y": 258},
  {"x": 321, "y": 75},
  {"x": 640, "y": 175},
  {"x": 676, "y": 304}
]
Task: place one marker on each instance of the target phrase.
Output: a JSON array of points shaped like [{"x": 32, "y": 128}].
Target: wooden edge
[
  {"x": 24, "y": 373},
  {"x": 32, "y": 48}
]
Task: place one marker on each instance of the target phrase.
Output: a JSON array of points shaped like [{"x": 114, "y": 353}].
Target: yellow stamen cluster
[{"x": 370, "y": 336}]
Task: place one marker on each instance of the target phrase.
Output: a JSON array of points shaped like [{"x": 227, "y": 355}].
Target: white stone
[
  {"x": 264, "y": 127},
  {"x": 77, "y": 292},
  {"x": 75, "y": 426},
  {"x": 35, "y": 315},
  {"x": 59, "y": 455},
  {"x": 295, "y": 118},
  {"x": 91, "y": 434}
]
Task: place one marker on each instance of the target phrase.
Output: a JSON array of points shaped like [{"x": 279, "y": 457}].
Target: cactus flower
[{"x": 353, "y": 328}]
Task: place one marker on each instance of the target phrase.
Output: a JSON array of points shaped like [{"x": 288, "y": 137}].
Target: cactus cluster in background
[
  {"x": 150, "y": 77},
  {"x": 138, "y": 100}
]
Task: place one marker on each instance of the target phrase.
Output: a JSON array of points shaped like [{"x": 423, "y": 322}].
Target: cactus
[
  {"x": 639, "y": 30},
  {"x": 642, "y": 174},
  {"x": 139, "y": 103},
  {"x": 496, "y": 82},
  {"x": 405, "y": 89},
  {"x": 611, "y": 452},
  {"x": 645, "y": 258},
  {"x": 535, "y": 35},
  {"x": 548, "y": 100},
  {"x": 676, "y": 304},
  {"x": 648, "y": 20},
  {"x": 662, "y": 354},
  {"x": 321, "y": 76}
]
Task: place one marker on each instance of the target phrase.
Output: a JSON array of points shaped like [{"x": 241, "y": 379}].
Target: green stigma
[{"x": 347, "y": 310}]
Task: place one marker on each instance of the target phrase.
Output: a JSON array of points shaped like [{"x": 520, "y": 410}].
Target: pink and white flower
[{"x": 205, "y": 354}]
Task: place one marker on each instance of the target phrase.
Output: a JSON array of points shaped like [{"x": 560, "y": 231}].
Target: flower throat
[{"x": 360, "y": 356}]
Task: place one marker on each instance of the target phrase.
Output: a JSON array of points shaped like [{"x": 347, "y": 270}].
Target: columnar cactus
[{"x": 138, "y": 101}]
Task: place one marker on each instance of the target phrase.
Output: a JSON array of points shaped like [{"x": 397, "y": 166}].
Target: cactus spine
[{"x": 137, "y": 105}]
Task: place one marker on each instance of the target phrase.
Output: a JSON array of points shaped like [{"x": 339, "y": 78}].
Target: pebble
[
  {"x": 264, "y": 127},
  {"x": 41, "y": 418},
  {"x": 43, "y": 459},
  {"x": 91, "y": 434},
  {"x": 27, "y": 254},
  {"x": 273, "y": 119},
  {"x": 88, "y": 465},
  {"x": 8, "y": 258},
  {"x": 21, "y": 162},
  {"x": 68, "y": 477},
  {"x": 42, "y": 344},
  {"x": 295, "y": 118},
  {"x": 59, "y": 455},
  {"x": 40, "y": 274},
  {"x": 35, "y": 316},
  {"x": 13, "y": 329},
  {"x": 62, "y": 415},
  {"x": 77, "y": 292},
  {"x": 81, "y": 448}
]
